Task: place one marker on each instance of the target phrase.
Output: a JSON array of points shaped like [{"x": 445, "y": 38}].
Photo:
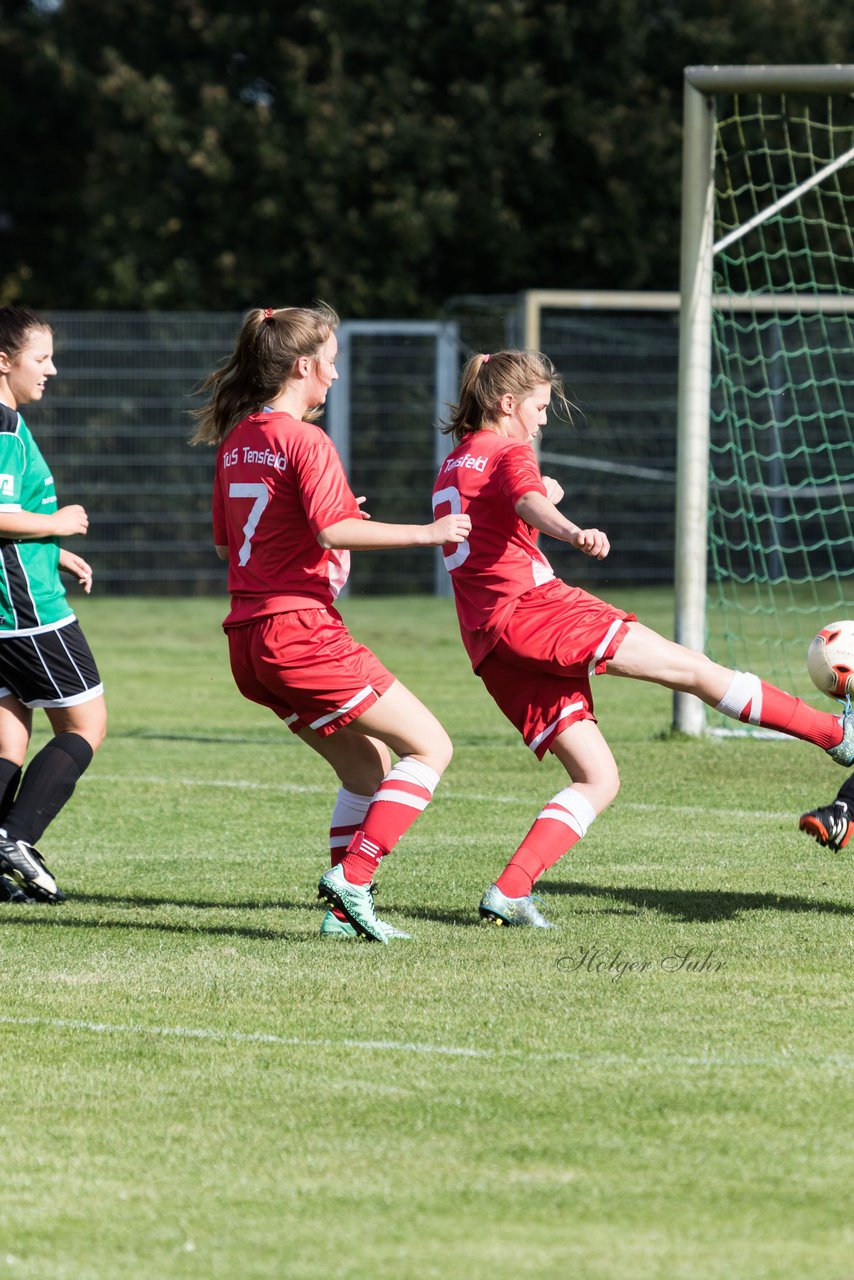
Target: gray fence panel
[{"x": 115, "y": 426}]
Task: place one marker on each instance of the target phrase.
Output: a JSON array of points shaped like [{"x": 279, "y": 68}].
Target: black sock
[
  {"x": 846, "y": 793},
  {"x": 48, "y": 782},
  {"x": 10, "y": 776}
]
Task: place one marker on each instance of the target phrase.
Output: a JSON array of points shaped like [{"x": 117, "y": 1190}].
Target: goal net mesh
[{"x": 782, "y": 453}]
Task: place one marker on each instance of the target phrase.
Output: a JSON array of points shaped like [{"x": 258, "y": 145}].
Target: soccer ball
[{"x": 830, "y": 659}]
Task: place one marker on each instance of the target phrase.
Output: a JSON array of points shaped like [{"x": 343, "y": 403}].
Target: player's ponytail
[{"x": 270, "y": 342}]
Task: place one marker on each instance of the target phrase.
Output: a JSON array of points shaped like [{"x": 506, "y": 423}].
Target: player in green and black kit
[{"x": 44, "y": 658}]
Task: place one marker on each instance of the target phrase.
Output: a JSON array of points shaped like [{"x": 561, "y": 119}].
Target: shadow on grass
[
  {"x": 228, "y": 739},
  {"x": 23, "y": 916},
  {"x": 128, "y": 900},
  {"x": 61, "y": 915},
  {"x": 698, "y": 904}
]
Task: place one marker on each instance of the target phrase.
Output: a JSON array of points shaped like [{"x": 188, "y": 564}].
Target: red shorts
[
  {"x": 307, "y": 668},
  {"x": 558, "y": 636}
]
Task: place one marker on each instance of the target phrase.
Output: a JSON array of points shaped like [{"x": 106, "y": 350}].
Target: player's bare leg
[{"x": 645, "y": 655}]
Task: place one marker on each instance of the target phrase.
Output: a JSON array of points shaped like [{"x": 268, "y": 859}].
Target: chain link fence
[{"x": 115, "y": 423}]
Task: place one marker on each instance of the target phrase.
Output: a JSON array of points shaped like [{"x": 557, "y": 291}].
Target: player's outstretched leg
[{"x": 645, "y": 655}]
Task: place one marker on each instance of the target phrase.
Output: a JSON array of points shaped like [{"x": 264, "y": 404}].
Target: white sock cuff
[
  {"x": 745, "y": 689},
  {"x": 349, "y": 808},
  {"x": 579, "y": 809},
  {"x": 409, "y": 770}
]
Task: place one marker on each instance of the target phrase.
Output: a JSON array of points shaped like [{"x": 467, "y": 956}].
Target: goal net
[{"x": 765, "y": 497}]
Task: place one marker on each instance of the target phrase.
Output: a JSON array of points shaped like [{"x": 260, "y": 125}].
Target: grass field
[{"x": 195, "y": 1085}]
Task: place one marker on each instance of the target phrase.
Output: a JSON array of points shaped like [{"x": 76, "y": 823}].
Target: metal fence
[{"x": 115, "y": 425}]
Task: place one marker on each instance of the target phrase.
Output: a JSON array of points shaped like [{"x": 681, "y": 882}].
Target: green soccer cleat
[
  {"x": 332, "y": 927},
  {"x": 843, "y": 752},
  {"x": 355, "y": 901},
  {"x": 496, "y": 907}
]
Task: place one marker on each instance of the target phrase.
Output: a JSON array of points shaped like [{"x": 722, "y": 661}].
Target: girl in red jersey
[
  {"x": 285, "y": 518},
  {"x": 537, "y": 642}
]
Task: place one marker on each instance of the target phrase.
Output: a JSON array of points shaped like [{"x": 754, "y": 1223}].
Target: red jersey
[
  {"x": 278, "y": 483},
  {"x": 484, "y": 477}
]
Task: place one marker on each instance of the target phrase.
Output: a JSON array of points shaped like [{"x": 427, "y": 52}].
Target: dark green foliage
[{"x": 180, "y": 154}]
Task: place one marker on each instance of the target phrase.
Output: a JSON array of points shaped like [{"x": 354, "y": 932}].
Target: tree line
[{"x": 386, "y": 155}]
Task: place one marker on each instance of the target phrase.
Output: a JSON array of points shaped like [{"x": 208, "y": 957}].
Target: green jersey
[{"x": 32, "y": 597}]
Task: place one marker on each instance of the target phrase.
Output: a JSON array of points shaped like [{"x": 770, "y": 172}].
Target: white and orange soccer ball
[{"x": 830, "y": 659}]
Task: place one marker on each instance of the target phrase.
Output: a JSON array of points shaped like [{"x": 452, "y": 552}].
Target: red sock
[
  {"x": 797, "y": 718},
  {"x": 403, "y": 794},
  {"x": 559, "y": 826},
  {"x": 753, "y": 701}
]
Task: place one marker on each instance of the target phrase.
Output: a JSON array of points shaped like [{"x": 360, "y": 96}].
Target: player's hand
[
  {"x": 366, "y": 515},
  {"x": 452, "y": 528},
  {"x": 68, "y": 521},
  {"x": 554, "y": 491},
  {"x": 77, "y": 567},
  {"x": 593, "y": 542}
]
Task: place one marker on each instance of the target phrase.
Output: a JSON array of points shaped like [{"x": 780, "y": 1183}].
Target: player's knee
[
  {"x": 441, "y": 751},
  {"x": 362, "y": 782},
  {"x": 610, "y": 789},
  {"x": 605, "y": 788}
]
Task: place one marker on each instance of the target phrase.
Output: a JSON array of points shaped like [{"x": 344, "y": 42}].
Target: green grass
[{"x": 196, "y": 1086}]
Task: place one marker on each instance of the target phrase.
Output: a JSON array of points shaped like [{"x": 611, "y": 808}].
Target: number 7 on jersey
[{"x": 261, "y": 494}]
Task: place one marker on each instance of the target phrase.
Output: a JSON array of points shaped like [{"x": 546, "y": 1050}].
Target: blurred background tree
[{"x": 383, "y": 154}]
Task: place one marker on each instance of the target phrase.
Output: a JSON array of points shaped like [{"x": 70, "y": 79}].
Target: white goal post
[{"x": 699, "y": 286}]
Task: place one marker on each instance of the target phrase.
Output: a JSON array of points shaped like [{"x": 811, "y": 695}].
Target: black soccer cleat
[
  {"x": 831, "y": 826},
  {"x": 9, "y": 892},
  {"x": 23, "y": 863}
]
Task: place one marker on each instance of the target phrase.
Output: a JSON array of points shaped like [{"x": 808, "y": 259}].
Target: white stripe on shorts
[
  {"x": 348, "y": 706},
  {"x": 567, "y": 711},
  {"x": 603, "y": 645}
]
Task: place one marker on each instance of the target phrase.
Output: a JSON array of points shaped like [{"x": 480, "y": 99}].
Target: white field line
[
  {"x": 236, "y": 784},
  {"x": 290, "y": 787},
  {"x": 783, "y": 1058}
]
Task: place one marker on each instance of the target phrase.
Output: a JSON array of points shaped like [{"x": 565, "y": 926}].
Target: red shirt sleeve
[
  {"x": 324, "y": 492},
  {"x": 517, "y": 473}
]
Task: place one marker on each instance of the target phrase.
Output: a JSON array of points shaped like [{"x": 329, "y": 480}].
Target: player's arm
[
  {"x": 536, "y": 510},
  {"x": 222, "y": 552},
  {"x": 77, "y": 567},
  {"x": 29, "y": 525},
  {"x": 357, "y": 534}
]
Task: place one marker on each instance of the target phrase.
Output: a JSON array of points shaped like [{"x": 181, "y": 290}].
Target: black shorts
[{"x": 49, "y": 668}]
